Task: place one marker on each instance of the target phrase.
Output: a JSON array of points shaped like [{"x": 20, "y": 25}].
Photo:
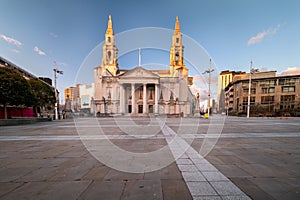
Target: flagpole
[{"x": 140, "y": 57}]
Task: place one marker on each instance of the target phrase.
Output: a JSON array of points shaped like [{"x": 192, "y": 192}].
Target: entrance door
[
  {"x": 150, "y": 108},
  {"x": 140, "y": 109},
  {"x": 129, "y": 109}
]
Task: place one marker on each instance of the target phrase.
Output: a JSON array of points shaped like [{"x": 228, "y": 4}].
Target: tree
[
  {"x": 14, "y": 89},
  {"x": 43, "y": 93}
]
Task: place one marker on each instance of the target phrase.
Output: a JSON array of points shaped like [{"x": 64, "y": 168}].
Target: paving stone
[
  {"x": 12, "y": 174},
  {"x": 206, "y": 167},
  {"x": 278, "y": 189},
  {"x": 261, "y": 170},
  {"x": 73, "y": 172},
  {"x": 225, "y": 188},
  {"x": 239, "y": 197},
  {"x": 98, "y": 173},
  {"x": 232, "y": 171},
  {"x": 5, "y": 188},
  {"x": 207, "y": 198},
  {"x": 201, "y": 189},
  {"x": 252, "y": 190},
  {"x": 199, "y": 160},
  {"x": 104, "y": 190},
  {"x": 214, "y": 176},
  {"x": 114, "y": 175},
  {"x": 193, "y": 176},
  {"x": 143, "y": 189},
  {"x": 187, "y": 168},
  {"x": 183, "y": 156},
  {"x": 184, "y": 161},
  {"x": 175, "y": 189},
  {"x": 49, "y": 190},
  {"x": 169, "y": 172}
]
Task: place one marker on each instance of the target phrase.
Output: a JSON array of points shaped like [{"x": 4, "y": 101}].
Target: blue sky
[{"x": 34, "y": 33}]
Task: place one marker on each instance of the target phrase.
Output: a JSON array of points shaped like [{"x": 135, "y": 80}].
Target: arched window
[
  {"x": 176, "y": 57},
  {"x": 109, "y": 55},
  {"x": 108, "y": 39}
]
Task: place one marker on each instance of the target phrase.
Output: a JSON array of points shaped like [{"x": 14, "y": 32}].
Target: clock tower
[
  {"x": 177, "y": 66},
  {"x": 110, "y": 51}
]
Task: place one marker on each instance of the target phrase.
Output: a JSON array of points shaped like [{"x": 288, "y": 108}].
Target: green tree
[
  {"x": 44, "y": 95},
  {"x": 14, "y": 89}
]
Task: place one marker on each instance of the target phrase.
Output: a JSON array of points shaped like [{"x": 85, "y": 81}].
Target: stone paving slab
[
  {"x": 175, "y": 189},
  {"x": 143, "y": 189},
  {"x": 103, "y": 190},
  {"x": 49, "y": 190}
]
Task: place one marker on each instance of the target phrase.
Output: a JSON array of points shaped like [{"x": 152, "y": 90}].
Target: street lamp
[
  {"x": 56, "y": 71},
  {"x": 249, "y": 92},
  {"x": 209, "y": 71}
]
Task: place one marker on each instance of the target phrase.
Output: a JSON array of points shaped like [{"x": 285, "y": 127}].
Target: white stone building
[
  {"x": 138, "y": 91},
  {"x": 87, "y": 98}
]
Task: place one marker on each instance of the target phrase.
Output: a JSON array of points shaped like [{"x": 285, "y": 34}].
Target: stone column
[
  {"x": 156, "y": 99},
  {"x": 144, "y": 98},
  {"x": 132, "y": 98},
  {"x": 122, "y": 110}
]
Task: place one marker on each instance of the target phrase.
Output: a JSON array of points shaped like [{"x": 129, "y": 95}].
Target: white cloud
[
  {"x": 260, "y": 36},
  {"x": 53, "y": 35},
  {"x": 291, "y": 71},
  {"x": 11, "y": 40},
  {"x": 15, "y": 50},
  {"x": 39, "y": 51}
]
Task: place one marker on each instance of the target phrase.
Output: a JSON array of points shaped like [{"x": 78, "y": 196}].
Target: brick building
[{"x": 271, "y": 95}]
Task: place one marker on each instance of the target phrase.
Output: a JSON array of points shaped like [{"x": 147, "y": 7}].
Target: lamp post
[
  {"x": 249, "y": 92},
  {"x": 209, "y": 71},
  {"x": 56, "y": 97}
]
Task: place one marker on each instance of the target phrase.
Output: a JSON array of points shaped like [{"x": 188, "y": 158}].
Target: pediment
[{"x": 139, "y": 72}]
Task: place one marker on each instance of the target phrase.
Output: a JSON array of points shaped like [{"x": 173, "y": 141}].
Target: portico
[{"x": 139, "y": 96}]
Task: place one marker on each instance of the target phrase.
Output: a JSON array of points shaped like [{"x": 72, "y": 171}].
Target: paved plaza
[{"x": 152, "y": 158}]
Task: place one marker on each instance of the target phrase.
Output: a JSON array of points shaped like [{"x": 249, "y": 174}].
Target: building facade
[
  {"x": 72, "y": 98},
  {"x": 86, "y": 93},
  {"x": 224, "y": 79},
  {"x": 271, "y": 95},
  {"x": 139, "y": 91}
]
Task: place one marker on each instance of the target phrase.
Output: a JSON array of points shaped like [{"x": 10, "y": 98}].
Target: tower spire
[
  {"x": 177, "y": 25},
  {"x": 109, "y": 26}
]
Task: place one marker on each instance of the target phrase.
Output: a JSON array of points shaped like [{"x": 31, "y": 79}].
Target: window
[
  {"x": 108, "y": 39},
  {"x": 288, "y": 88},
  {"x": 109, "y": 55},
  {"x": 245, "y": 100},
  {"x": 268, "y": 90},
  {"x": 287, "y": 81},
  {"x": 85, "y": 101},
  {"x": 267, "y": 99},
  {"x": 177, "y": 40},
  {"x": 245, "y": 91},
  {"x": 140, "y": 109},
  {"x": 176, "y": 58},
  {"x": 150, "y": 108},
  {"x": 287, "y": 98}
]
